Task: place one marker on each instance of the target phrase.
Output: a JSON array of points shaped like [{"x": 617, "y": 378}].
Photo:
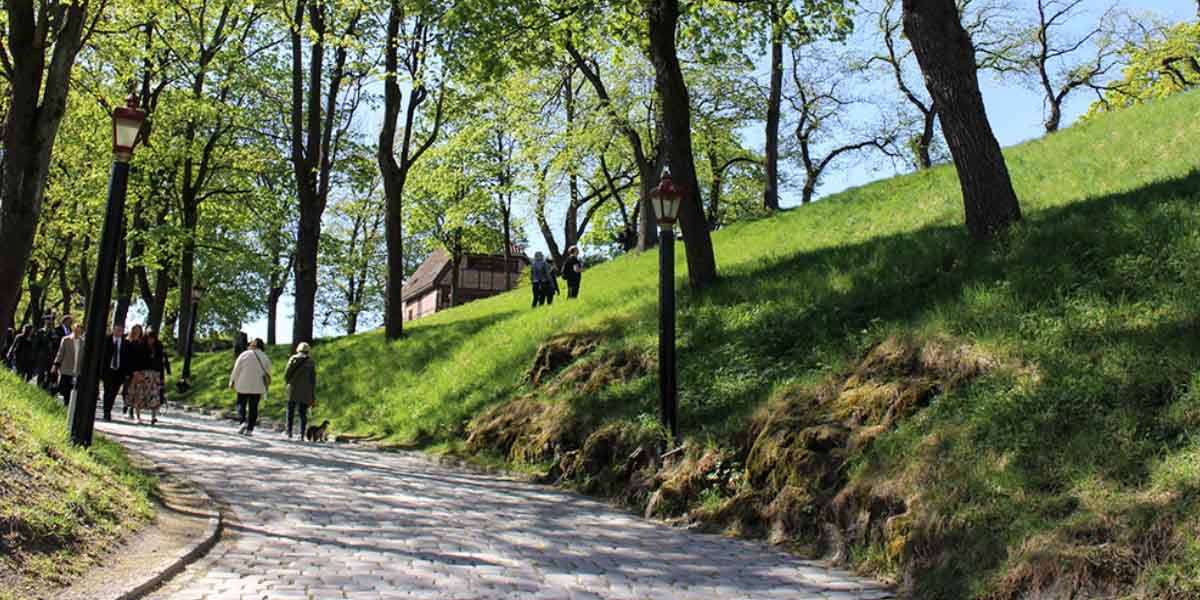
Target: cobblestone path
[{"x": 317, "y": 522}]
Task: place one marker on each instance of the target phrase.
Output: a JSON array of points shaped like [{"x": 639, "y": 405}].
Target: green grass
[
  {"x": 63, "y": 509},
  {"x": 1095, "y": 450}
]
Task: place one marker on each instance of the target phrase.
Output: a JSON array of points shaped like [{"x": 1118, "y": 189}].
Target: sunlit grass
[
  {"x": 62, "y": 508},
  {"x": 1095, "y": 292}
]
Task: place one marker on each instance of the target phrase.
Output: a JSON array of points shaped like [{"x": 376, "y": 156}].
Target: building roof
[
  {"x": 426, "y": 275},
  {"x": 430, "y": 272}
]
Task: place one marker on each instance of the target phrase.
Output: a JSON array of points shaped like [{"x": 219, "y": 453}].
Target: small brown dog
[{"x": 317, "y": 433}]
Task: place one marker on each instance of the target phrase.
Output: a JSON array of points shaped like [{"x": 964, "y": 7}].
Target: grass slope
[
  {"x": 1079, "y": 468},
  {"x": 62, "y": 509}
]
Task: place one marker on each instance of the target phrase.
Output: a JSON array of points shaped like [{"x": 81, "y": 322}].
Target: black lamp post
[
  {"x": 185, "y": 380},
  {"x": 666, "y": 199},
  {"x": 127, "y": 123}
]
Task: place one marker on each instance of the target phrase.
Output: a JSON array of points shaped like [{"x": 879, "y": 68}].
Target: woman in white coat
[{"x": 250, "y": 379}]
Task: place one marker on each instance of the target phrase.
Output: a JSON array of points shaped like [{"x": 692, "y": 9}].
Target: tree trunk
[
  {"x": 677, "y": 141},
  {"x": 774, "y": 100},
  {"x": 36, "y": 103},
  {"x": 124, "y": 280},
  {"x": 33, "y": 310},
  {"x": 947, "y": 60},
  {"x": 925, "y": 142},
  {"x": 394, "y": 170},
  {"x": 307, "y": 247},
  {"x": 508, "y": 284},
  {"x": 454, "y": 271},
  {"x": 714, "y": 192},
  {"x": 162, "y": 287},
  {"x": 64, "y": 284},
  {"x": 1054, "y": 120},
  {"x": 187, "y": 266},
  {"x": 272, "y": 314}
]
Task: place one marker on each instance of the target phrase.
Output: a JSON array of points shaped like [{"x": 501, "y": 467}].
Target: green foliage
[{"x": 1166, "y": 61}]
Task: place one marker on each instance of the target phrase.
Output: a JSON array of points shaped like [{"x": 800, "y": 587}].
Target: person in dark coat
[
  {"x": 66, "y": 327},
  {"x": 301, "y": 379},
  {"x": 6, "y": 343},
  {"x": 115, "y": 368},
  {"x": 44, "y": 350},
  {"x": 573, "y": 271},
  {"x": 21, "y": 354}
]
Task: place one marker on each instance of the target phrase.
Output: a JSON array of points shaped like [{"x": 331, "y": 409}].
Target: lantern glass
[
  {"x": 668, "y": 207},
  {"x": 125, "y": 131},
  {"x": 198, "y": 292}
]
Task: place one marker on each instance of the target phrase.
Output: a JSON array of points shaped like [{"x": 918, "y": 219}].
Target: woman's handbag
[{"x": 266, "y": 374}]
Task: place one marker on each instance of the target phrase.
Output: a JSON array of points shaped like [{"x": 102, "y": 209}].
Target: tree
[
  {"x": 451, "y": 205},
  {"x": 784, "y": 27},
  {"x": 724, "y": 102},
  {"x": 820, "y": 105},
  {"x": 646, "y": 160},
  {"x": 988, "y": 23},
  {"x": 1060, "y": 64},
  {"x": 325, "y": 96},
  {"x": 675, "y": 107},
  {"x": 42, "y": 44},
  {"x": 414, "y": 33},
  {"x": 353, "y": 247},
  {"x": 1163, "y": 61},
  {"x": 947, "y": 59},
  {"x": 276, "y": 207}
]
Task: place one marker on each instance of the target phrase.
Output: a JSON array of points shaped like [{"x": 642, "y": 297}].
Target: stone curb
[{"x": 194, "y": 551}]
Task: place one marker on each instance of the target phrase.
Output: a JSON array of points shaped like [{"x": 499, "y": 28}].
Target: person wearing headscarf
[{"x": 301, "y": 379}]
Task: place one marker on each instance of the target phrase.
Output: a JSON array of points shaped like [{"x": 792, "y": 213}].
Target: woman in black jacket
[
  {"x": 142, "y": 387},
  {"x": 159, "y": 363}
]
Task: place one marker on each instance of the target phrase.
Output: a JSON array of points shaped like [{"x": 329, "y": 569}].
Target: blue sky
[{"x": 1014, "y": 111}]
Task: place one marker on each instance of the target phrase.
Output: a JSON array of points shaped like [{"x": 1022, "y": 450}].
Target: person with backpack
[
  {"x": 301, "y": 379},
  {"x": 545, "y": 284},
  {"x": 250, "y": 379}
]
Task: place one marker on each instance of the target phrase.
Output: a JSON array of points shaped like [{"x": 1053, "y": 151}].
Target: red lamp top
[
  {"x": 127, "y": 123},
  {"x": 666, "y": 199}
]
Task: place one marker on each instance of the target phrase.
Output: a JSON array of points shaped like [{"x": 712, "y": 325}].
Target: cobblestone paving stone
[{"x": 316, "y": 522}]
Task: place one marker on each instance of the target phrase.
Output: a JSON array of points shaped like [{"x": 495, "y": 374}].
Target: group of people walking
[
  {"x": 544, "y": 277},
  {"x": 251, "y": 380},
  {"x": 135, "y": 366},
  {"x": 138, "y": 364},
  {"x": 34, "y": 354},
  {"x": 53, "y": 357}
]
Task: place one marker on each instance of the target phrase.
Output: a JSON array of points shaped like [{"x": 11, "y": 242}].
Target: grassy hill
[
  {"x": 977, "y": 420},
  {"x": 63, "y": 510}
]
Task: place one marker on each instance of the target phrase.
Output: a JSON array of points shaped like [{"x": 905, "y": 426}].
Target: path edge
[{"x": 195, "y": 550}]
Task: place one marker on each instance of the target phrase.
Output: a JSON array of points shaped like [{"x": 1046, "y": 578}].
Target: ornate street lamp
[
  {"x": 185, "y": 380},
  {"x": 666, "y": 199},
  {"x": 127, "y": 124}
]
